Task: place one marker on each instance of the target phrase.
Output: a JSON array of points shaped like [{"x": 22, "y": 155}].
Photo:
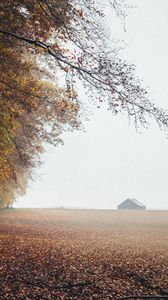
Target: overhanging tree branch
[{"x": 97, "y": 80}]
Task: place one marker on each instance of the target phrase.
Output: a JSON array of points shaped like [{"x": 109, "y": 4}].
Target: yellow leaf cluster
[{"x": 33, "y": 109}]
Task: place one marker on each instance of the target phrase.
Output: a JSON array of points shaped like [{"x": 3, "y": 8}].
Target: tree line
[{"x": 48, "y": 49}]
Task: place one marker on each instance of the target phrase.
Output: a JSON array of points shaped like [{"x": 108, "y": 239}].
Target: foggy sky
[{"x": 109, "y": 162}]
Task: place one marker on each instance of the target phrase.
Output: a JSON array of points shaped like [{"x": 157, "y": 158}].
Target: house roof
[{"x": 134, "y": 201}]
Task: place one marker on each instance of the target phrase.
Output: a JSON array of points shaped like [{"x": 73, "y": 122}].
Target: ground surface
[{"x": 82, "y": 254}]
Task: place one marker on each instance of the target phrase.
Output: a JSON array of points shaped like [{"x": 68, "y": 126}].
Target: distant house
[{"x": 131, "y": 204}]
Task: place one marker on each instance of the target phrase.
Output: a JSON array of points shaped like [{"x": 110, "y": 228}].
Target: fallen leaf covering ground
[{"x": 82, "y": 254}]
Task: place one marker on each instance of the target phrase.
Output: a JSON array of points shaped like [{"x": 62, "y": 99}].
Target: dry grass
[{"x": 82, "y": 254}]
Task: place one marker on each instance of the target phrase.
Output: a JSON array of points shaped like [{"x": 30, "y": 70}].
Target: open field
[{"x": 82, "y": 254}]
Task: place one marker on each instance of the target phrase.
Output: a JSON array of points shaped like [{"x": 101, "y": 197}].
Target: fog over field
[{"x": 82, "y": 254}]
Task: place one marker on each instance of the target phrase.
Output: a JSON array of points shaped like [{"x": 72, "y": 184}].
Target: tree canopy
[{"x": 48, "y": 48}]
